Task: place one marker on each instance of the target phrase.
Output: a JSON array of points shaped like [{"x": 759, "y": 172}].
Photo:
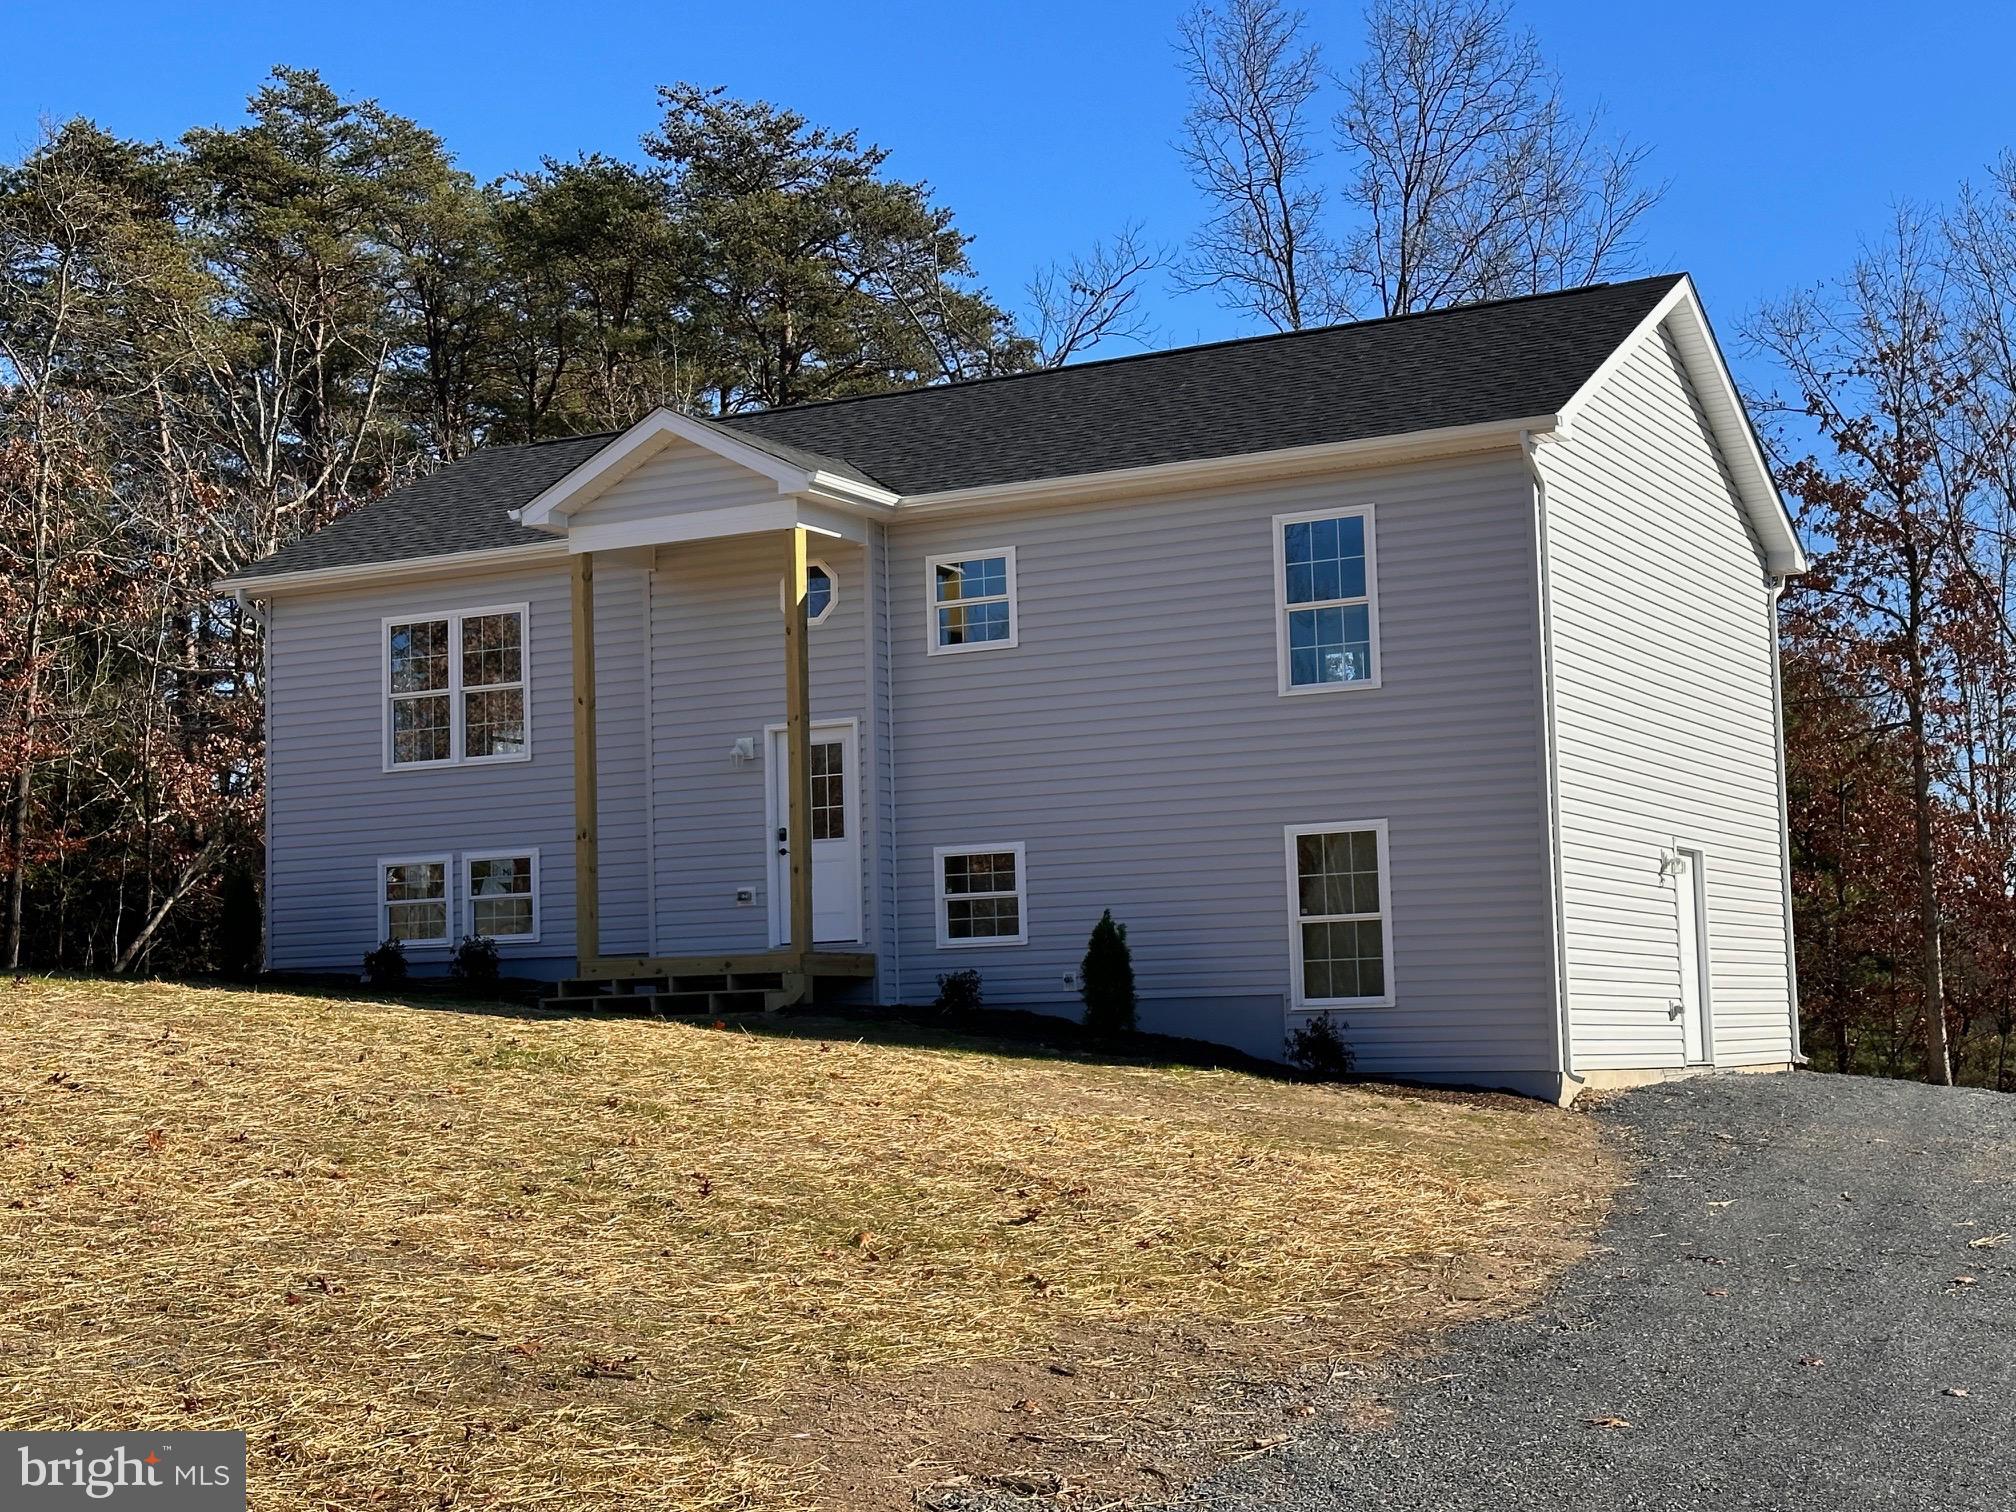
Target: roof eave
[
  {"x": 1367, "y": 451},
  {"x": 263, "y": 585}
]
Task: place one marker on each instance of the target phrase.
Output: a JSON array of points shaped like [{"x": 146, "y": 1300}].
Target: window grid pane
[
  {"x": 501, "y": 918},
  {"x": 818, "y": 592},
  {"x": 980, "y": 896},
  {"x": 829, "y": 791},
  {"x": 982, "y": 918},
  {"x": 1342, "y": 922},
  {"x": 975, "y": 578},
  {"x": 493, "y": 722},
  {"x": 421, "y": 729},
  {"x": 419, "y": 656},
  {"x": 417, "y": 921},
  {"x": 408, "y": 881},
  {"x": 491, "y": 651},
  {"x": 983, "y": 872},
  {"x": 973, "y": 624},
  {"x": 1325, "y": 594},
  {"x": 1329, "y": 645}
]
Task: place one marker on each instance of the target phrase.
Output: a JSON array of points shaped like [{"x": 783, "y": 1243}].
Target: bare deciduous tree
[
  {"x": 1884, "y": 375},
  {"x": 1475, "y": 180},
  {"x": 1246, "y": 143},
  {"x": 1093, "y": 297}
]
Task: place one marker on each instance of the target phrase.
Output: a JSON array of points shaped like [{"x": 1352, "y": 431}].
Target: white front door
[
  {"x": 836, "y": 837},
  {"x": 1693, "y": 1002}
]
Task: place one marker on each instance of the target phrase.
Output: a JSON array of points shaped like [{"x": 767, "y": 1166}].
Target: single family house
[{"x": 1419, "y": 671}]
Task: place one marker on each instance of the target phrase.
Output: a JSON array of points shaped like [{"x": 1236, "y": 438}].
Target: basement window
[
  {"x": 982, "y": 896},
  {"x": 1340, "y": 924},
  {"x": 413, "y": 900},
  {"x": 503, "y": 894}
]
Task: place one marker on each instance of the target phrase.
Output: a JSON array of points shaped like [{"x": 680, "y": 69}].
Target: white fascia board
[
  {"x": 561, "y": 499},
  {"x": 407, "y": 567},
  {"x": 1369, "y": 451},
  {"x": 636, "y": 446},
  {"x": 714, "y": 525},
  {"x": 1681, "y": 310}
]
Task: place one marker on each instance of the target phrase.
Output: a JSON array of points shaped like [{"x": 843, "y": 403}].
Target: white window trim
[
  {"x": 1281, "y": 606},
  {"x": 1021, "y": 937},
  {"x": 446, "y": 861},
  {"x": 932, "y": 606},
  {"x": 456, "y": 714},
  {"x": 832, "y": 599},
  {"x": 1297, "y": 1002},
  {"x": 499, "y": 853}
]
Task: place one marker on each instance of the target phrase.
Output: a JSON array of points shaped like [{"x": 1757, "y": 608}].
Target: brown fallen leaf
[
  {"x": 1716, "y": 1291},
  {"x": 1957, "y": 1391},
  {"x": 1965, "y": 1280},
  {"x": 1811, "y": 1362},
  {"x": 1608, "y": 1421}
]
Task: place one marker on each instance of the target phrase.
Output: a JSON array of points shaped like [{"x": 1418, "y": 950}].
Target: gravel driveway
[{"x": 1776, "y": 1310}]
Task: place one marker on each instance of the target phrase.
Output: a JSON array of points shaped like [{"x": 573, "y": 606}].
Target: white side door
[
  {"x": 1693, "y": 1003},
  {"x": 836, "y": 837}
]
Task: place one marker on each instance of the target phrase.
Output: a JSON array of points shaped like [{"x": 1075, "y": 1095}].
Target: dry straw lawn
[{"x": 431, "y": 1258}]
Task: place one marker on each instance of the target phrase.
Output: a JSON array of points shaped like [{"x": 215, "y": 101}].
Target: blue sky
[{"x": 1786, "y": 130}]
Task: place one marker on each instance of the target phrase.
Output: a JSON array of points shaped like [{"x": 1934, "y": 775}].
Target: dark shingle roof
[
  {"x": 466, "y": 506},
  {"x": 1469, "y": 365}
]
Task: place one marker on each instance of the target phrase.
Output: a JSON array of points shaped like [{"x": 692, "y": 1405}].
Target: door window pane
[{"x": 829, "y": 790}]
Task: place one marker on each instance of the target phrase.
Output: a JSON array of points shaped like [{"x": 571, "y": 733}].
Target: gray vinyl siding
[
  {"x": 1664, "y": 726},
  {"x": 717, "y": 652},
  {"x": 1136, "y": 743},
  {"x": 335, "y": 812}
]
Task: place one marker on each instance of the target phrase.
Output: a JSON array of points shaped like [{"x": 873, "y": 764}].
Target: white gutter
[
  {"x": 1550, "y": 782},
  {"x": 452, "y": 561}
]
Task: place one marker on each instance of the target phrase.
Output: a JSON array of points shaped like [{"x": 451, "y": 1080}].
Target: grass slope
[{"x": 432, "y": 1258}]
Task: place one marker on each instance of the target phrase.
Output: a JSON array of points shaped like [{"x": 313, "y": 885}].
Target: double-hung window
[
  {"x": 1327, "y": 606},
  {"x": 1340, "y": 914},
  {"x": 455, "y": 688},
  {"x": 503, "y": 893},
  {"x": 982, "y": 895},
  {"x": 971, "y": 600},
  {"x": 413, "y": 900}
]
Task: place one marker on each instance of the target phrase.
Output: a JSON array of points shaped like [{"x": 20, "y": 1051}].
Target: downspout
[
  {"x": 1776, "y": 583},
  {"x": 1550, "y": 786}
]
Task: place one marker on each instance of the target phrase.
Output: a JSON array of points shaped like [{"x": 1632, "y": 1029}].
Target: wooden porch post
[
  {"x": 587, "y": 845},
  {"x": 798, "y": 744}
]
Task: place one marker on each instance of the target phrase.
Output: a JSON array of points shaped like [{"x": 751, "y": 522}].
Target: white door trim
[
  {"x": 1690, "y": 908},
  {"x": 775, "y": 872}
]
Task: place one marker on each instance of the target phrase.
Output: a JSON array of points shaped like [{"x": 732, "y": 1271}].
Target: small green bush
[
  {"x": 958, "y": 992},
  {"x": 1106, "y": 979},
  {"x": 1319, "y": 1048},
  {"x": 386, "y": 966},
  {"x": 476, "y": 965}
]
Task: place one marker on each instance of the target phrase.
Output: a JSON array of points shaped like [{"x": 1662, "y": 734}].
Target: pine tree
[{"x": 1106, "y": 978}]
